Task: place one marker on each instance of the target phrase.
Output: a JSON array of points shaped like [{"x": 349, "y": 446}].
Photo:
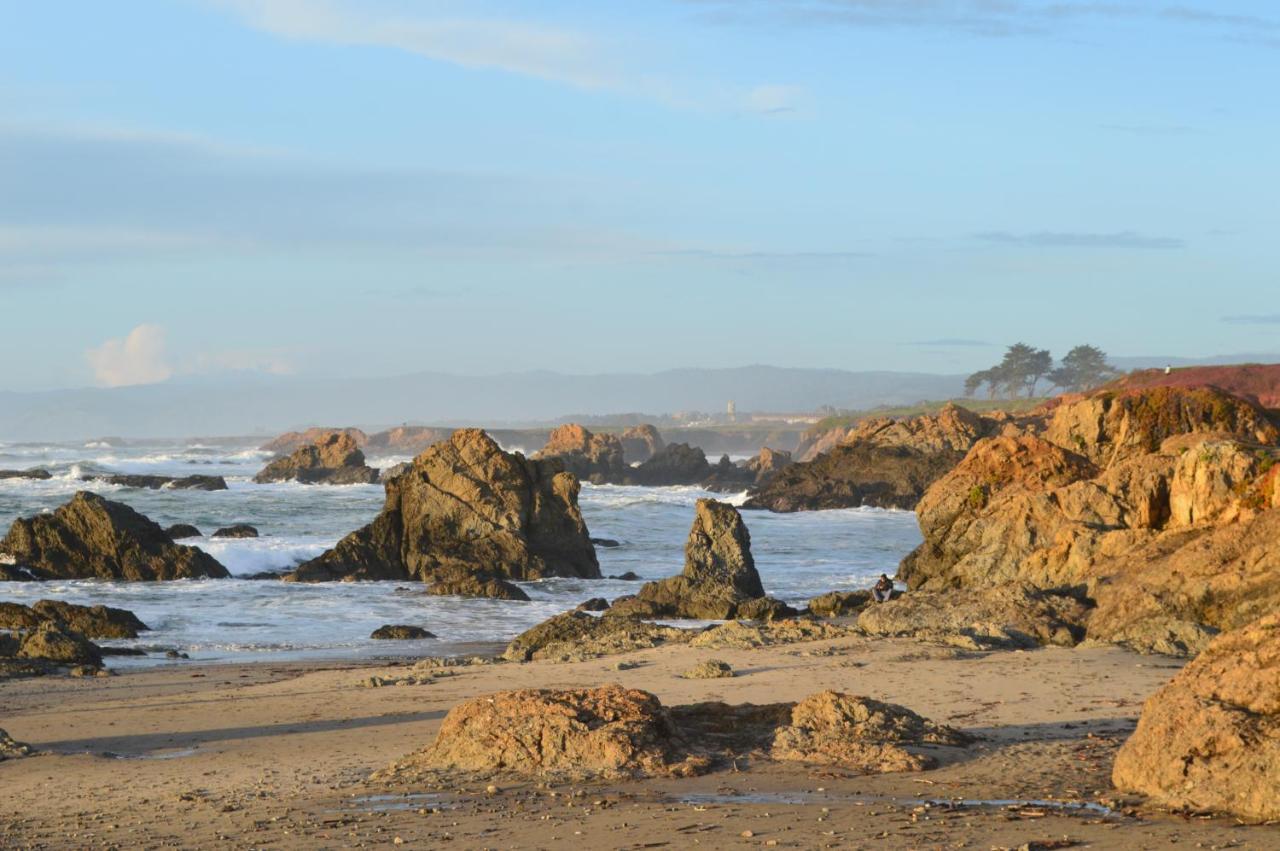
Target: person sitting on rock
[{"x": 883, "y": 589}]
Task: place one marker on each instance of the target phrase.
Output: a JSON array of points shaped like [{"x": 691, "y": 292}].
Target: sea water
[{"x": 798, "y": 555}]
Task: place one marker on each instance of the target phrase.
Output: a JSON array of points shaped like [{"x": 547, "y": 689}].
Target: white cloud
[
  {"x": 775, "y": 99},
  {"x": 139, "y": 358},
  {"x": 515, "y": 46}
]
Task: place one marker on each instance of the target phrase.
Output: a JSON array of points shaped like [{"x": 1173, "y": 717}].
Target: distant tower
[{"x": 732, "y": 410}]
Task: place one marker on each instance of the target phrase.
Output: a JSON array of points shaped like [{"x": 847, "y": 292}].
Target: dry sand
[{"x": 279, "y": 756}]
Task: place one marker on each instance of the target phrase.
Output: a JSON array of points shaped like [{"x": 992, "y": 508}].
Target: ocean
[{"x": 798, "y": 556}]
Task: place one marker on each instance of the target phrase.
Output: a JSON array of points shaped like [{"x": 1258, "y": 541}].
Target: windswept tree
[
  {"x": 1083, "y": 368},
  {"x": 1017, "y": 374}
]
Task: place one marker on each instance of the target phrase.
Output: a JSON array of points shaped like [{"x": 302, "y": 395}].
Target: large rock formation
[
  {"x": 294, "y": 440},
  {"x": 1157, "y": 507},
  {"x": 613, "y": 731},
  {"x": 467, "y": 505},
  {"x": 719, "y": 574},
  {"x": 91, "y": 537},
  {"x": 640, "y": 443},
  {"x": 334, "y": 459},
  {"x": 575, "y": 635},
  {"x": 1210, "y": 739},
  {"x": 591, "y": 457},
  {"x": 884, "y": 463}
]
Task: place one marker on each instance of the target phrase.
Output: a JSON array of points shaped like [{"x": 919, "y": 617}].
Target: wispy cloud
[
  {"x": 991, "y": 18},
  {"x": 717, "y": 254},
  {"x": 1253, "y": 319},
  {"x": 519, "y": 47},
  {"x": 1054, "y": 239},
  {"x": 137, "y": 358}
]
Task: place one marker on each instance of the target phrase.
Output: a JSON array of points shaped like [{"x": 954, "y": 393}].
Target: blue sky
[{"x": 336, "y": 187}]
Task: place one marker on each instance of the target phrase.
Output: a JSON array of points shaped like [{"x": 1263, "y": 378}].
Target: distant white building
[{"x": 732, "y": 410}]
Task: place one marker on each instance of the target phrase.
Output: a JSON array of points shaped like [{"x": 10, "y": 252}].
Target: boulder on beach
[
  {"x": 1210, "y": 739},
  {"x": 467, "y": 505},
  {"x": 179, "y": 531},
  {"x": 334, "y": 459},
  {"x": 616, "y": 732},
  {"x": 640, "y": 443},
  {"x": 1005, "y": 617},
  {"x": 719, "y": 573},
  {"x": 400, "y": 632},
  {"x": 575, "y": 635},
  {"x": 55, "y": 643},
  {"x": 455, "y": 582},
  {"x": 236, "y": 530},
  {"x": 10, "y": 749},
  {"x": 836, "y": 604},
  {"x": 90, "y": 537},
  {"x": 860, "y": 734},
  {"x": 712, "y": 669},
  {"x": 591, "y": 457}
]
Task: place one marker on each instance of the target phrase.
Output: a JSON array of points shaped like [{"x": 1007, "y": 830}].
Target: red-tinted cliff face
[{"x": 1256, "y": 381}]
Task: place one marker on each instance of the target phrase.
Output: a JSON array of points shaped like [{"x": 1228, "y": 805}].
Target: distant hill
[{"x": 262, "y": 404}]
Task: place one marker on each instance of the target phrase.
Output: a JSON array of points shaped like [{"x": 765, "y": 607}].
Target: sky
[{"x": 193, "y": 188}]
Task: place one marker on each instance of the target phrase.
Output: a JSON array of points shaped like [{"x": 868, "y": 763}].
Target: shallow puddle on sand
[
  {"x": 397, "y": 803},
  {"x": 178, "y": 753},
  {"x": 812, "y": 798}
]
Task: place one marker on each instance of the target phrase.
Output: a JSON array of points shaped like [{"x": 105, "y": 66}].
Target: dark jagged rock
[
  {"x": 91, "y": 537},
  {"x": 455, "y": 582},
  {"x": 855, "y": 475},
  {"x": 640, "y": 443},
  {"x": 595, "y": 604},
  {"x": 719, "y": 573},
  {"x": 182, "y": 483},
  {"x": 591, "y": 457},
  {"x": 607, "y": 543},
  {"x": 467, "y": 505},
  {"x": 400, "y": 632},
  {"x": 674, "y": 464},
  {"x": 90, "y": 621},
  {"x": 34, "y": 473},
  {"x": 237, "y": 530},
  {"x": 334, "y": 459},
  {"x": 629, "y": 576},
  {"x": 178, "y": 531}
]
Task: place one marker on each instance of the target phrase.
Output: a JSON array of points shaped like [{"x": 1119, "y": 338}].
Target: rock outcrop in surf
[
  {"x": 333, "y": 459},
  {"x": 89, "y": 537},
  {"x": 465, "y": 504}
]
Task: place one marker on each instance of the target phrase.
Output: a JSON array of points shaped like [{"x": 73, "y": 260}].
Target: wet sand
[{"x": 280, "y": 756}]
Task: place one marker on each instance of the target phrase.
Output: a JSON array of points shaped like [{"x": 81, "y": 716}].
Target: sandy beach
[{"x": 280, "y": 756}]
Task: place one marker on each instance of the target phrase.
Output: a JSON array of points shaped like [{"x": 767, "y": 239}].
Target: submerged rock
[
  {"x": 238, "y": 530},
  {"x": 90, "y": 621},
  {"x": 178, "y": 531},
  {"x": 400, "y": 632},
  {"x": 459, "y": 583},
  {"x": 334, "y": 459},
  {"x": 180, "y": 483},
  {"x": 1210, "y": 739},
  {"x": 467, "y": 505},
  {"x": 34, "y": 473},
  {"x": 91, "y": 537}
]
